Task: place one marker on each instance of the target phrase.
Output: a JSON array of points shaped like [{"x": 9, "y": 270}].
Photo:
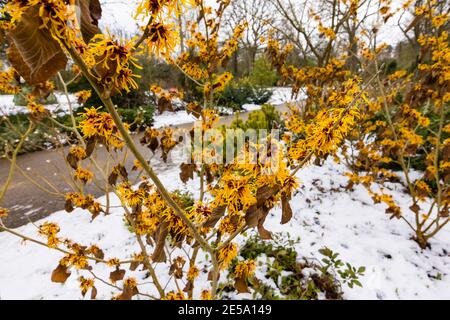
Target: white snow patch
[
  {"x": 7, "y": 106},
  {"x": 324, "y": 215},
  {"x": 167, "y": 119}
]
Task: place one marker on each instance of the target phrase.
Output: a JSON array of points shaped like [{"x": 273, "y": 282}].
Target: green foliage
[
  {"x": 389, "y": 66},
  {"x": 290, "y": 278},
  {"x": 418, "y": 160},
  {"x": 267, "y": 118},
  {"x": 138, "y": 118},
  {"x": 20, "y": 100},
  {"x": 263, "y": 73},
  {"x": 150, "y": 73},
  {"x": 46, "y": 135},
  {"x": 349, "y": 275},
  {"x": 257, "y": 120},
  {"x": 131, "y": 100},
  {"x": 243, "y": 91},
  {"x": 184, "y": 198}
]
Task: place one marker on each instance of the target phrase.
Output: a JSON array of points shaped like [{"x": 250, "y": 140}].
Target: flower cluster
[
  {"x": 114, "y": 62},
  {"x": 100, "y": 126},
  {"x": 7, "y": 82}
]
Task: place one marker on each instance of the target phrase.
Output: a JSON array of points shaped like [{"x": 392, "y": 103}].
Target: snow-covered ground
[
  {"x": 7, "y": 106},
  {"x": 172, "y": 118},
  {"x": 324, "y": 215},
  {"x": 280, "y": 95}
]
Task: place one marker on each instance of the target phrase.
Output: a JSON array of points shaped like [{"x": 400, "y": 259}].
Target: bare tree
[
  {"x": 259, "y": 15},
  {"x": 413, "y": 25},
  {"x": 300, "y": 21}
]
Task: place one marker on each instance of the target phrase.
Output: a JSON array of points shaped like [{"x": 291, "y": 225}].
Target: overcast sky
[{"x": 118, "y": 14}]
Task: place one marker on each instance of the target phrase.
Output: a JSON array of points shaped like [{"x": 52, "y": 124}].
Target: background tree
[{"x": 258, "y": 14}]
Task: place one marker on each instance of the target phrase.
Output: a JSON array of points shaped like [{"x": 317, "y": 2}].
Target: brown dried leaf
[
  {"x": 60, "y": 274},
  {"x": 164, "y": 104},
  {"x": 16, "y": 60},
  {"x": 68, "y": 206},
  {"x": 264, "y": 234},
  {"x": 99, "y": 254},
  {"x": 112, "y": 179},
  {"x": 194, "y": 109},
  {"x": 117, "y": 275},
  {"x": 90, "y": 146},
  {"x": 40, "y": 54},
  {"x": 189, "y": 286},
  {"x": 265, "y": 193},
  {"x": 176, "y": 269},
  {"x": 72, "y": 161},
  {"x": 128, "y": 293},
  {"x": 252, "y": 216},
  {"x": 286, "y": 210},
  {"x": 159, "y": 255},
  {"x": 241, "y": 285},
  {"x": 217, "y": 214},
  {"x": 187, "y": 172},
  {"x": 154, "y": 144},
  {"x": 123, "y": 172},
  {"x": 93, "y": 293},
  {"x": 415, "y": 208},
  {"x": 90, "y": 14},
  {"x": 446, "y": 153}
]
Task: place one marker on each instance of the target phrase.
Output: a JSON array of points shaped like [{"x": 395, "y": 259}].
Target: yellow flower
[
  {"x": 131, "y": 197},
  {"x": 162, "y": 38},
  {"x": 95, "y": 124},
  {"x": 439, "y": 20},
  {"x": 174, "y": 296},
  {"x": 236, "y": 193},
  {"x": 3, "y": 212},
  {"x": 7, "y": 82},
  {"x": 85, "y": 285},
  {"x": 83, "y": 175},
  {"x": 114, "y": 61},
  {"x": 420, "y": 11},
  {"x": 222, "y": 81},
  {"x": 36, "y": 109},
  {"x": 328, "y": 131},
  {"x": 193, "y": 273},
  {"x": 78, "y": 260},
  {"x": 328, "y": 32},
  {"x": 155, "y": 7},
  {"x": 78, "y": 152},
  {"x": 50, "y": 230},
  {"x": 245, "y": 269},
  {"x": 114, "y": 262},
  {"x": 130, "y": 283},
  {"x": 226, "y": 255},
  {"x": 206, "y": 295},
  {"x": 228, "y": 226},
  {"x": 83, "y": 96}
]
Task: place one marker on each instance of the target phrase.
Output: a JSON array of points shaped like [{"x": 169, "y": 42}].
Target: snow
[
  {"x": 7, "y": 106},
  {"x": 284, "y": 95},
  {"x": 280, "y": 95},
  {"x": 172, "y": 118},
  {"x": 325, "y": 214}
]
